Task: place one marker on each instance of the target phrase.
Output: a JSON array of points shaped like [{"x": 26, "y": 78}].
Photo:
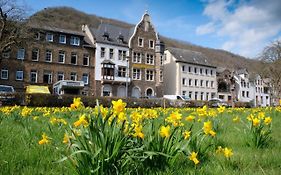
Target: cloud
[{"x": 246, "y": 26}]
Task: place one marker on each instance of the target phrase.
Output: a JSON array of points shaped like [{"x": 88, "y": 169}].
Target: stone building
[{"x": 53, "y": 54}]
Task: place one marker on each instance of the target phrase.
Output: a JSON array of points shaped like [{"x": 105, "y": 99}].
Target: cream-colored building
[{"x": 188, "y": 73}]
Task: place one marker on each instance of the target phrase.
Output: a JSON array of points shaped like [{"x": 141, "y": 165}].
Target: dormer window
[
  {"x": 140, "y": 42},
  {"x": 62, "y": 39},
  {"x": 75, "y": 41},
  {"x": 105, "y": 36},
  {"x": 37, "y": 36},
  {"x": 49, "y": 37},
  {"x": 121, "y": 38}
]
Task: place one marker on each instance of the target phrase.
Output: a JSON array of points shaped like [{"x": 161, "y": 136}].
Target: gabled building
[
  {"x": 262, "y": 92},
  {"x": 188, "y": 73},
  {"x": 146, "y": 60},
  {"x": 226, "y": 85},
  {"x": 52, "y": 55}
]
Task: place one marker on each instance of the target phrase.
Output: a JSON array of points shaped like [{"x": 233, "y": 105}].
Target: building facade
[
  {"x": 188, "y": 73},
  {"x": 52, "y": 55}
]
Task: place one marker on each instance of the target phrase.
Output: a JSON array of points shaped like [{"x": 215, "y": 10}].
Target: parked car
[
  {"x": 177, "y": 100},
  {"x": 216, "y": 102},
  {"x": 177, "y": 97},
  {"x": 7, "y": 94}
]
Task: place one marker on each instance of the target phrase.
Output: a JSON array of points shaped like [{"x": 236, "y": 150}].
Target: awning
[{"x": 33, "y": 89}]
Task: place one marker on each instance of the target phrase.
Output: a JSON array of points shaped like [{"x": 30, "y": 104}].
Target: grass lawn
[{"x": 21, "y": 130}]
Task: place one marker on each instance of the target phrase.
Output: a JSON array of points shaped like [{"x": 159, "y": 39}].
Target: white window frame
[
  {"x": 161, "y": 75},
  {"x": 135, "y": 73},
  {"x": 87, "y": 79},
  {"x": 86, "y": 56},
  {"x": 142, "y": 43},
  {"x": 150, "y": 59},
  {"x": 111, "y": 54},
  {"x": 61, "y": 53},
  {"x": 21, "y": 73},
  {"x": 153, "y": 44},
  {"x": 21, "y": 54},
  {"x": 148, "y": 72},
  {"x": 102, "y": 52},
  {"x": 73, "y": 74},
  {"x": 51, "y": 55},
  {"x": 49, "y": 37},
  {"x": 50, "y": 77},
  {"x": 60, "y": 74},
  {"x": 34, "y": 72},
  {"x": 64, "y": 39},
  {"x": 75, "y": 41},
  {"x": 137, "y": 56},
  {"x": 76, "y": 60},
  {"x": 37, "y": 56},
  {"x": 6, "y": 72}
]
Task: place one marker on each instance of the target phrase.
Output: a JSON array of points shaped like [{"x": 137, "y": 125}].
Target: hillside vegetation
[{"x": 60, "y": 17}]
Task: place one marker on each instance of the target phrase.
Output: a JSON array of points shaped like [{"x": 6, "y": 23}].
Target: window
[
  {"x": 149, "y": 59},
  {"x": 62, "y": 39},
  {"x": 202, "y": 95},
  {"x": 211, "y": 72},
  {"x": 195, "y": 82},
  {"x": 190, "y": 94},
  {"x": 61, "y": 56},
  {"x": 86, "y": 60},
  {"x": 183, "y": 68},
  {"x": 140, "y": 42},
  {"x": 247, "y": 93},
  {"x": 47, "y": 77},
  {"x": 6, "y": 54},
  {"x": 213, "y": 95},
  {"x": 201, "y": 83},
  {"x": 149, "y": 75},
  {"x": 48, "y": 57},
  {"x": 206, "y": 71},
  {"x": 60, "y": 76},
  {"x": 137, "y": 57},
  {"x": 122, "y": 55},
  {"x": 243, "y": 93},
  {"x": 201, "y": 71},
  {"x": 207, "y": 95},
  {"x": 183, "y": 93},
  {"x": 151, "y": 44},
  {"x": 73, "y": 76},
  {"x": 102, "y": 52},
  {"x": 19, "y": 75},
  {"x": 49, "y": 37},
  {"x": 4, "y": 74},
  {"x": 161, "y": 60},
  {"x": 196, "y": 95},
  {"x": 73, "y": 59},
  {"x": 111, "y": 53},
  {"x": 20, "y": 54},
  {"x": 35, "y": 54},
  {"x": 207, "y": 83},
  {"x": 189, "y": 69},
  {"x": 74, "y": 41},
  {"x": 136, "y": 74},
  {"x": 195, "y": 70},
  {"x": 37, "y": 36},
  {"x": 184, "y": 81},
  {"x": 33, "y": 76},
  {"x": 85, "y": 78},
  {"x": 161, "y": 76},
  {"x": 121, "y": 71},
  {"x": 212, "y": 84},
  {"x": 190, "y": 82}
]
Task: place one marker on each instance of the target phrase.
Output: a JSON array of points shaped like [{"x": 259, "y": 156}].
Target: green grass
[{"x": 20, "y": 152}]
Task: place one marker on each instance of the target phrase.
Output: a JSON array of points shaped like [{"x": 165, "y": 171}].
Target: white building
[
  {"x": 261, "y": 92},
  {"x": 111, "y": 71},
  {"x": 245, "y": 89},
  {"x": 188, "y": 73}
]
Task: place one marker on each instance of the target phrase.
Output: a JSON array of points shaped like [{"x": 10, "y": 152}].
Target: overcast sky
[{"x": 243, "y": 27}]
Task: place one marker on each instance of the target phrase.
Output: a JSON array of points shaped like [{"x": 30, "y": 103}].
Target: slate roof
[
  {"x": 188, "y": 56},
  {"x": 114, "y": 34},
  {"x": 60, "y": 30}
]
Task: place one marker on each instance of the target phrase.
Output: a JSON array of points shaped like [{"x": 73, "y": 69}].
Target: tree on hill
[
  {"x": 12, "y": 26},
  {"x": 271, "y": 57}
]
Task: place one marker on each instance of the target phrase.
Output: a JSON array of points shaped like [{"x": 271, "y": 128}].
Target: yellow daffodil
[
  {"x": 118, "y": 106},
  {"x": 227, "y": 152},
  {"x": 165, "y": 131},
  {"x": 267, "y": 120},
  {"x": 66, "y": 139},
  {"x": 193, "y": 157},
  {"x": 44, "y": 140},
  {"x": 256, "y": 122},
  {"x": 186, "y": 135},
  {"x": 207, "y": 127},
  {"x": 82, "y": 121},
  {"x": 190, "y": 118}
]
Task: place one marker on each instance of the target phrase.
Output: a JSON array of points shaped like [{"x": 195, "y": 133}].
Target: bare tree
[
  {"x": 271, "y": 57},
  {"x": 12, "y": 25}
]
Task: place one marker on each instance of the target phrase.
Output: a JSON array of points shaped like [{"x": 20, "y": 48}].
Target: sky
[{"x": 242, "y": 27}]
